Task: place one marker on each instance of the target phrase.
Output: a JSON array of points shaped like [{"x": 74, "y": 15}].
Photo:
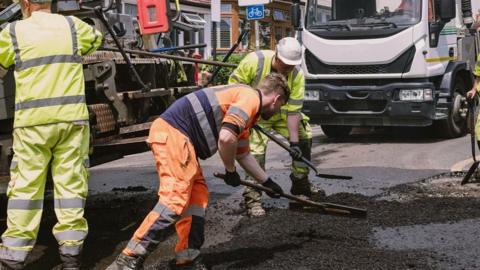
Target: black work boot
[
  {"x": 70, "y": 262},
  {"x": 124, "y": 262},
  {"x": 11, "y": 265},
  {"x": 302, "y": 186},
  {"x": 196, "y": 264}
]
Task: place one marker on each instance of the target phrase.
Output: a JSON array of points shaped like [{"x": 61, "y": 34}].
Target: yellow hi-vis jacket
[
  {"x": 476, "y": 71},
  {"x": 46, "y": 51},
  {"x": 257, "y": 65}
]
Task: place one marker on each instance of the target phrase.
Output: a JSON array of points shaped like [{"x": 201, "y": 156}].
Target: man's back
[
  {"x": 46, "y": 51},
  {"x": 200, "y": 115}
]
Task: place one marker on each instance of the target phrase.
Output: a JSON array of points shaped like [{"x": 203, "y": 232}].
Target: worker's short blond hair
[{"x": 275, "y": 82}]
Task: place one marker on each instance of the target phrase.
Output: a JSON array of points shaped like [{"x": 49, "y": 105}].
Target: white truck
[{"x": 387, "y": 63}]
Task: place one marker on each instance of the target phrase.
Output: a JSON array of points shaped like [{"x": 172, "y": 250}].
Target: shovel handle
[
  {"x": 303, "y": 159},
  {"x": 326, "y": 208}
]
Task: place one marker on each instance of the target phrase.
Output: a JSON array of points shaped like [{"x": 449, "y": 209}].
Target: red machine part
[{"x": 153, "y": 16}]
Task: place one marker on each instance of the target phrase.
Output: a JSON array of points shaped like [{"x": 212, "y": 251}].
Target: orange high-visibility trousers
[{"x": 183, "y": 196}]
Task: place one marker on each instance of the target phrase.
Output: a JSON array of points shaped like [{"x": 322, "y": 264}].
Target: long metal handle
[
  {"x": 303, "y": 159},
  {"x": 227, "y": 56},
  {"x": 326, "y": 208},
  {"x": 186, "y": 47},
  {"x": 168, "y": 56},
  {"x": 100, "y": 14}
]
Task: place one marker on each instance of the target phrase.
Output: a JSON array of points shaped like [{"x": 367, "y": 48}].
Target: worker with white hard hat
[{"x": 290, "y": 122}]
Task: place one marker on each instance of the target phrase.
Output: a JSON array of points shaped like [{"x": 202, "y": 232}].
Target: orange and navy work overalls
[{"x": 186, "y": 131}]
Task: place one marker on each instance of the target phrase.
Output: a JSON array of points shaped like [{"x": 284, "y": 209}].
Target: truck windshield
[{"x": 348, "y": 15}]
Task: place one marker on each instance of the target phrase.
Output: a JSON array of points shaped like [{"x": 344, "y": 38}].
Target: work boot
[
  {"x": 253, "y": 203},
  {"x": 255, "y": 209},
  {"x": 70, "y": 262},
  {"x": 11, "y": 265},
  {"x": 124, "y": 262},
  {"x": 302, "y": 186},
  {"x": 196, "y": 264}
]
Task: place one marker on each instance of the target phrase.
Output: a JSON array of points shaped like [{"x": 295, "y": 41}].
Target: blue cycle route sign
[{"x": 255, "y": 12}]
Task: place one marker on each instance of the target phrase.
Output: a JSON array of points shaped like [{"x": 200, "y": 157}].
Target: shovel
[
  {"x": 322, "y": 207},
  {"x": 473, "y": 168},
  {"x": 303, "y": 159}
]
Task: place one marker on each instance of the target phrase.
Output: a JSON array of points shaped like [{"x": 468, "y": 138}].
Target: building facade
[
  {"x": 264, "y": 34},
  {"x": 195, "y": 26}
]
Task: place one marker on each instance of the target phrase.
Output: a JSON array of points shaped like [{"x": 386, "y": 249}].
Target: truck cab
[{"x": 388, "y": 63}]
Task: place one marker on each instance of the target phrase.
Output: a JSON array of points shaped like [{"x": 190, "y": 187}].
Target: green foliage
[{"x": 222, "y": 77}]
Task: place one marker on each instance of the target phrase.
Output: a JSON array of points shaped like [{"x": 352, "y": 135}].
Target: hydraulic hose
[
  {"x": 177, "y": 14},
  {"x": 467, "y": 12}
]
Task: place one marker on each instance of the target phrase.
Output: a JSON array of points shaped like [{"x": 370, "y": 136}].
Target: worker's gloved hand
[
  {"x": 274, "y": 186},
  {"x": 472, "y": 93},
  {"x": 232, "y": 178},
  {"x": 296, "y": 152}
]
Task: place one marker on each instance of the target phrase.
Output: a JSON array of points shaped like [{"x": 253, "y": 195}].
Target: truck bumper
[{"x": 367, "y": 105}]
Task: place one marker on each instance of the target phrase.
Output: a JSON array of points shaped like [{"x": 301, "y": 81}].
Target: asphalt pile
[
  {"x": 284, "y": 239},
  {"x": 297, "y": 240}
]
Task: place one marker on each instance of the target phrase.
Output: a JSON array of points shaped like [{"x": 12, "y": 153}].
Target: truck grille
[
  {"x": 400, "y": 65},
  {"x": 359, "y": 105},
  {"x": 358, "y": 69}
]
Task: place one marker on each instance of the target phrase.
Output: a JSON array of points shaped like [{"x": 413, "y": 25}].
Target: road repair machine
[
  {"x": 388, "y": 63},
  {"x": 125, "y": 89}
]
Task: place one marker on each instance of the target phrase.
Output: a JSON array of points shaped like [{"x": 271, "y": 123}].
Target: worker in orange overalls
[{"x": 196, "y": 126}]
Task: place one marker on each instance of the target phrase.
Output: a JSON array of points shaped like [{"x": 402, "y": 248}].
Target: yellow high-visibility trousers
[
  {"x": 62, "y": 147},
  {"x": 258, "y": 148}
]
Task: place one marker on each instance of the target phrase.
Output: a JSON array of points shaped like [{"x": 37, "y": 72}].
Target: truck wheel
[
  {"x": 336, "y": 131},
  {"x": 455, "y": 125}
]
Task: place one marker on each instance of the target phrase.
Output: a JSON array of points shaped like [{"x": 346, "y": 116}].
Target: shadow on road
[{"x": 362, "y": 135}]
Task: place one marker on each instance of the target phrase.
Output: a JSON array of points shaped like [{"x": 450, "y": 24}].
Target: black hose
[{"x": 467, "y": 12}]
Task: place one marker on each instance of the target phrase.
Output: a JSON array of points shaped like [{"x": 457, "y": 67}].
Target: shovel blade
[{"x": 470, "y": 172}]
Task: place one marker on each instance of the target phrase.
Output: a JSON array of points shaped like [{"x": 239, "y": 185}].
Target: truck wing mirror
[
  {"x": 296, "y": 14},
  {"x": 447, "y": 10}
]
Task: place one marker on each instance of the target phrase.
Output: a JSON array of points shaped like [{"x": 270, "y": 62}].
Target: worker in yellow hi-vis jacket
[
  {"x": 290, "y": 122},
  {"x": 51, "y": 129},
  {"x": 473, "y": 92}
]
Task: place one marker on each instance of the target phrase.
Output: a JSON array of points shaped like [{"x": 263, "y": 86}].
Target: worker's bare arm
[
  {"x": 227, "y": 148},
  {"x": 251, "y": 166}
]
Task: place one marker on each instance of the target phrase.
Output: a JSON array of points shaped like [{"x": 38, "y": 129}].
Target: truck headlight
[
  {"x": 312, "y": 95},
  {"x": 416, "y": 95}
]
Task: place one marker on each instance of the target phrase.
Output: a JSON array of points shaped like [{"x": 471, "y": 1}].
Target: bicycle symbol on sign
[{"x": 255, "y": 12}]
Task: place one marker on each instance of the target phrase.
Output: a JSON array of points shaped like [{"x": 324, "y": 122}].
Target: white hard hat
[{"x": 289, "y": 51}]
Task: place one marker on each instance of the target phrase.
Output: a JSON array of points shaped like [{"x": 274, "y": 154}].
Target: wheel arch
[{"x": 456, "y": 70}]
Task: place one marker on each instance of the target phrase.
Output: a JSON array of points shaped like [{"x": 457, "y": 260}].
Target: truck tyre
[
  {"x": 455, "y": 125},
  {"x": 336, "y": 131}
]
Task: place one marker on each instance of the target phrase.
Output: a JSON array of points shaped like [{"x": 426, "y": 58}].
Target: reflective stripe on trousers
[
  {"x": 64, "y": 146},
  {"x": 183, "y": 194}
]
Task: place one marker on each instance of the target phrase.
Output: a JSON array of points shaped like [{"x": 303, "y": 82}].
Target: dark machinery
[{"x": 124, "y": 91}]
